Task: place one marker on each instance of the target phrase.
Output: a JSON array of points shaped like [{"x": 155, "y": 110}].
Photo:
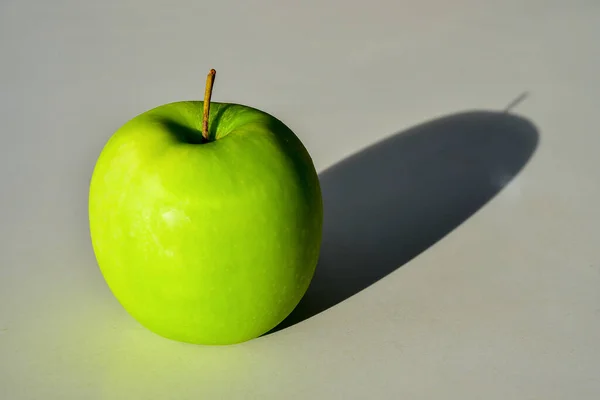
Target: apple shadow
[{"x": 391, "y": 201}]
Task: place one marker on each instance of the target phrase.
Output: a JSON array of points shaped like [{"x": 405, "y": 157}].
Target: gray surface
[{"x": 504, "y": 306}]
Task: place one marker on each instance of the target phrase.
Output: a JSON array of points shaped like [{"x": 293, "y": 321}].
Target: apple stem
[{"x": 210, "y": 80}]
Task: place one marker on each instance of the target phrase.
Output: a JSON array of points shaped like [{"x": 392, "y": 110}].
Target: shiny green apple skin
[{"x": 208, "y": 243}]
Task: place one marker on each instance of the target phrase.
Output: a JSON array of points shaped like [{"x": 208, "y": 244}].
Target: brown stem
[{"x": 210, "y": 80}]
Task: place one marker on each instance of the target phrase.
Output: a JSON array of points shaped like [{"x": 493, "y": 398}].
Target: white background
[{"x": 507, "y": 306}]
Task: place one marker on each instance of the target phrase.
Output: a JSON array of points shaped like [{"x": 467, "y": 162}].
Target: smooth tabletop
[{"x": 457, "y": 143}]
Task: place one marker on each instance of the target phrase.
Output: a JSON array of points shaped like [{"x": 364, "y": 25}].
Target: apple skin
[{"x": 209, "y": 243}]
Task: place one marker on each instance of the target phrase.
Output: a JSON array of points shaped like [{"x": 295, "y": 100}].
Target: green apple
[{"x": 206, "y": 225}]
